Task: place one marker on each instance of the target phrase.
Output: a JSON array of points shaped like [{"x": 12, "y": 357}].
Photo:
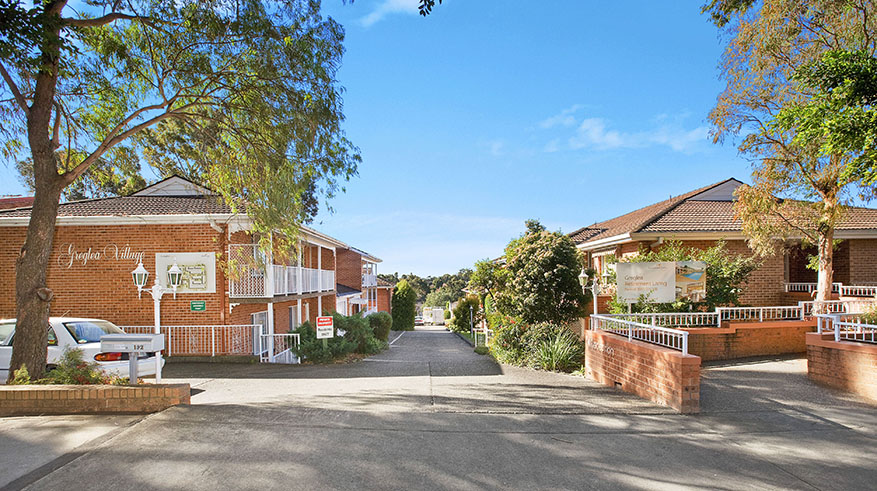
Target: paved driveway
[{"x": 429, "y": 413}]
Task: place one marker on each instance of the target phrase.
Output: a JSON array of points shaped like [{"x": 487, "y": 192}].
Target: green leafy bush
[
  {"x": 506, "y": 344},
  {"x": 545, "y": 346},
  {"x": 20, "y": 376},
  {"x": 869, "y": 316},
  {"x": 403, "y": 301},
  {"x": 460, "y": 322},
  {"x": 311, "y": 348},
  {"x": 381, "y": 323},
  {"x": 447, "y": 314},
  {"x": 482, "y": 350},
  {"x": 563, "y": 352}
]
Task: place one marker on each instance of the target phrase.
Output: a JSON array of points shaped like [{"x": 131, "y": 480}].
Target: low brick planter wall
[
  {"x": 843, "y": 365},
  {"x": 32, "y": 400},
  {"x": 745, "y": 339},
  {"x": 652, "y": 372}
]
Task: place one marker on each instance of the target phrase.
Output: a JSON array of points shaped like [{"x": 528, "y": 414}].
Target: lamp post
[
  {"x": 174, "y": 279},
  {"x": 593, "y": 284}
]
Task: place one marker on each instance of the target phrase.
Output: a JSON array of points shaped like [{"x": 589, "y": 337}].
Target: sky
[{"x": 487, "y": 113}]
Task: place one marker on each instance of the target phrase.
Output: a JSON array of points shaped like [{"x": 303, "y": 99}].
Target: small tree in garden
[
  {"x": 460, "y": 322},
  {"x": 543, "y": 278},
  {"x": 403, "y": 306}
]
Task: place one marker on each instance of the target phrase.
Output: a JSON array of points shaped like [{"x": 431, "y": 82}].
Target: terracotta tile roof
[
  {"x": 15, "y": 202},
  {"x": 692, "y": 213},
  {"x": 135, "y": 206},
  {"x": 635, "y": 220},
  {"x": 384, "y": 284}
]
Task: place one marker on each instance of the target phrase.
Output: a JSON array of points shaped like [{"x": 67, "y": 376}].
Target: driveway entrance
[{"x": 431, "y": 414}]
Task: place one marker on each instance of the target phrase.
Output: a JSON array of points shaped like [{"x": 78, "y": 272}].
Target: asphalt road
[{"x": 431, "y": 414}]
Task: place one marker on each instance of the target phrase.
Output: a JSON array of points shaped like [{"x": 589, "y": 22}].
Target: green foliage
[
  {"x": 869, "y": 316},
  {"x": 460, "y": 319},
  {"x": 403, "y": 306},
  {"x": 381, "y": 323},
  {"x": 447, "y": 314},
  {"x": 544, "y": 346},
  {"x": 507, "y": 344},
  {"x": 561, "y": 353},
  {"x": 482, "y": 350},
  {"x": 73, "y": 369},
  {"x": 726, "y": 274},
  {"x": 21, "y": 376},
  {"x": 311, "y": 349},
  {"x": 541, "y": 278},
  {"x": 442, "y": 296}
]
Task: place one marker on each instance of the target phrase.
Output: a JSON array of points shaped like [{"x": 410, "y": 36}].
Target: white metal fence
[
  {"x": 663, "y": 336},
  {"x": 760, "y": 314},
  {"x": 482, "y": 334},
  {"x": 247, "y": 277},
  {"x": 846, "y": 327},
  {"x": 204, "y": 340},
  {"x": 858, "y": 291},
  {"x": 810, "y": 287},
  {"x": 675, "y": 319},
  {"x": 278, "y": 348}
]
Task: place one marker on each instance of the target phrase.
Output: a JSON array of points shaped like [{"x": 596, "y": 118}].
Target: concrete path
[{"x": 429, "y": 413}]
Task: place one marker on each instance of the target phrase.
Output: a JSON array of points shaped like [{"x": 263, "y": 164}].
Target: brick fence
[
  {"x": 652, "y": 372},
  {"x": 32, "y": 400},
  {"x": 745, "y": 339},
  {"x": 843, "y": 365}
]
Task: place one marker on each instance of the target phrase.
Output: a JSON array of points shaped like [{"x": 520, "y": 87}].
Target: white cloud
[
  {"x": 596, "y": 133},
  {"x": 389, "y": 7},
  {"x": 564, "y": 118}
]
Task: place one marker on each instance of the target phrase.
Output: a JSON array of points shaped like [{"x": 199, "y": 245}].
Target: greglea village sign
[
  {"x": 661, "y": 282},
  {"x": 70, "y": 255},
  {"x": 325, "y": 327}
]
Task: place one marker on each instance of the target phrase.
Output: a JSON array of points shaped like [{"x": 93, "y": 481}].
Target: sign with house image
[{"x": 691, "y": 280}]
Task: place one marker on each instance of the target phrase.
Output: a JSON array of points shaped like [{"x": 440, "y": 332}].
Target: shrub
[
  {"x": 506, "y": 344},
  {"x": 869, "y": 316},
  {"x": 381, "y": 323},
  {"x": 21, "y": 376},
  {"x": 482, "y": 350},
  {"x": 356, "y": 329},
  {"x": 563, "y": 352},
  {"x": 460, "y": 322},
  {"x": 447, "y": 314},
  {"x": 538, "y": 334},
  {"x": 403, "y": 306},
  {"x": 311, "y": 348}
]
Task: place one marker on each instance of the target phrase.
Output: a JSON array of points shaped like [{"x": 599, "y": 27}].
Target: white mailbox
[{"x": 131, "y": 343}]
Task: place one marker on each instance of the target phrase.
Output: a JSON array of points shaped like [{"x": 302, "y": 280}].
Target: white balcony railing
[
  {"x": 248, "y": 277},
  {"x": 369, "y": 280}
]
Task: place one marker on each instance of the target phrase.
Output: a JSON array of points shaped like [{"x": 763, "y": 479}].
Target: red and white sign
[{"x": 325, "y": 327}]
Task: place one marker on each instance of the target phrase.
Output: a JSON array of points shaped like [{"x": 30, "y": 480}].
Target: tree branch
[
  {"x": 102, "y": 21},
  {"x": 14, "y": 89},
  {"x": 56, "y": 128}
]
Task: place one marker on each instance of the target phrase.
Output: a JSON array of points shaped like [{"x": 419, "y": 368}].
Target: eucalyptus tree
[
  {"x": 247, "y": 85},
  {"x": 776, "y": 101}
]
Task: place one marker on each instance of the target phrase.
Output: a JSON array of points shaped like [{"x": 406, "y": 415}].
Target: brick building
[
  {"x": 702, "y": 217},
  {"x": 357, "y": 282},
  {"x": 228, "y": 279}
]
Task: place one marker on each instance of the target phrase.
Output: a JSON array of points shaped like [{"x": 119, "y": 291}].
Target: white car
[{"x": 73, "y": 332}]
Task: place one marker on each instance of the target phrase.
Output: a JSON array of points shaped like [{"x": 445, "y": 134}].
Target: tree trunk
[
  {"x": 32, "y": 296},
  {"x": 826, "y": 262}
]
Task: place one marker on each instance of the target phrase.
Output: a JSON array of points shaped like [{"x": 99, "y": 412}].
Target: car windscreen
[
  {"x": 91, "y": 331},
  {"x": 6, "y": 330}
]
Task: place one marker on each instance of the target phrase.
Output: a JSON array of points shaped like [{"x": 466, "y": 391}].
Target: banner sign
[
  {"x": 661, "y": 282},
  {"x": 199, "y": 270},
  {"x": 657, "y": 281}
]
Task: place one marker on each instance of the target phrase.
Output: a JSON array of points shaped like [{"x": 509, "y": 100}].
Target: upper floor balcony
[
  {"x": 369, "y": 280},
  {"x": 250, "y": 276}
]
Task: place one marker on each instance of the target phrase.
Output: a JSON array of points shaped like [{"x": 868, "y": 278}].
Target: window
[
  {"x": 53, "y": 340},
  {"x": 91, "y": 331},
  {"x": 293, "y": 317},
  {"x": 6, "y": 330}
]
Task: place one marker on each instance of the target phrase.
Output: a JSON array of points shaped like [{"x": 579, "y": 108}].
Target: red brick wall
[
  {"x": 384, "y": 297},
  {"x": 34, "y": 400},
  {"x": 863, "y": 261},
  {"x": 741, "y": 340},
  {"x": 349, "y": 269},
  {"x": 652, "y": 372},
  {"x": 843, "y": 365},
  {"x": 104, "y": 288}
]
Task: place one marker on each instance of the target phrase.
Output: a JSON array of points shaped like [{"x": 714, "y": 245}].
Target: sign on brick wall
[
  {"x": 199, "y": 270},
  {"x": 661, "y": 282}
]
